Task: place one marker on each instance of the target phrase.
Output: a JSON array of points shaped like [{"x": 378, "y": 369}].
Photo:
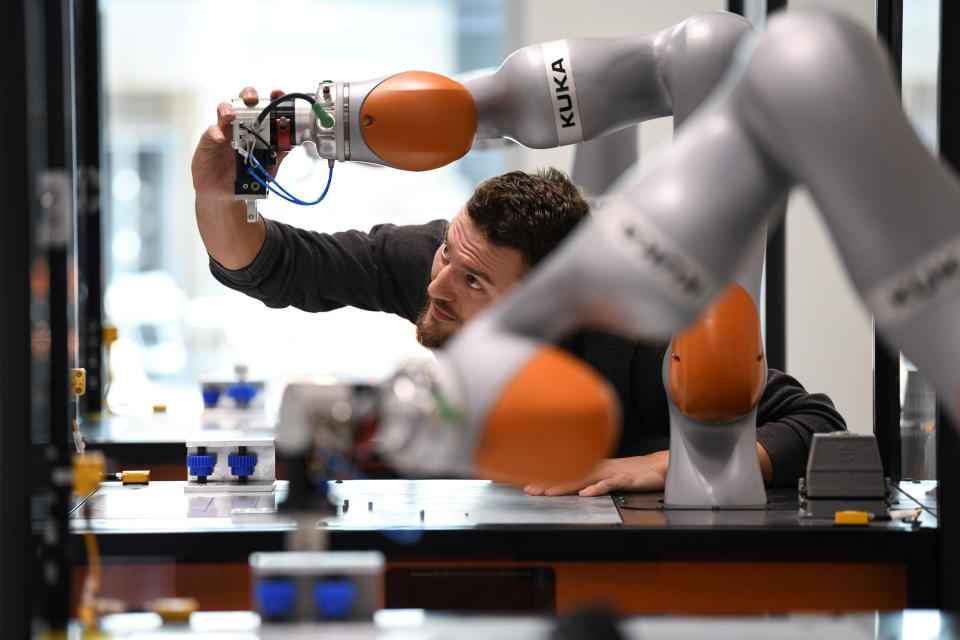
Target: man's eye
[
  {"x": 443, "y": 251},
  {"x": 473, "y": 283}
]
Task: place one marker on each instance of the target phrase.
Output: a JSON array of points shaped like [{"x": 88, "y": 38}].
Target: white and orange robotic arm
[
  {"x": 801, "y": 104},
  {"x": 542, "y": 96},
  {"x": 804, "y": 104}
]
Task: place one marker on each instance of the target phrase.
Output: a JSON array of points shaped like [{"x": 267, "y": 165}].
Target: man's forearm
[{"x": 228, "y": 237}]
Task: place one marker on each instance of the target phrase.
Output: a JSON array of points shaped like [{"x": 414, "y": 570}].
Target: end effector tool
[{"x": 413, "y": 120}]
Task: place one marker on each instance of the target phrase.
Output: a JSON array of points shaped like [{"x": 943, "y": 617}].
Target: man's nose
[{"x": 441, "y": 287}]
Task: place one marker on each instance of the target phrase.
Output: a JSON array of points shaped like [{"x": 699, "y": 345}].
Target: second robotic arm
[{"x": 805, "y": 105}]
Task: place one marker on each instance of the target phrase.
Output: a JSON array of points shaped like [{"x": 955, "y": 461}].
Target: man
[{"x": 439, "y": 275}]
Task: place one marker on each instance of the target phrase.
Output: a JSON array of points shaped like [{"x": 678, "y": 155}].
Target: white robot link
[{"x": 800, "y": 104}]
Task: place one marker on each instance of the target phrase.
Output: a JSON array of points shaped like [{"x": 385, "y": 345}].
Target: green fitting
[
  {"x": 448, "y": 412},
  {"x": 326, "y": 120}
]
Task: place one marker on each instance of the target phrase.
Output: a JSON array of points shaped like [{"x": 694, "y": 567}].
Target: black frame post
[
  {"x": 775, "y": 309},
  {"x": 886, "y": 363},
  {"x": 53, "y": 427},
  {"x": 89, "y": 95},
  {"x": 775, "y": 259},
  {"x": 948, "y": 436},
  {"x": 22, "y": 78},
  {"x": 35, "y": 440}
]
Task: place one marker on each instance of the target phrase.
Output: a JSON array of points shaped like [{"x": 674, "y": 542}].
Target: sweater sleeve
[
  {"x": 787, "y": 418},
  {"x": 386, "y": 269}
]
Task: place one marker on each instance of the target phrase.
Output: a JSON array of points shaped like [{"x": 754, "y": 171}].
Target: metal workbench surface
[
  {"x": 431, "y": 504},
  {"x": 446, "y": 516},
  {"x": 370, "y": 504}
]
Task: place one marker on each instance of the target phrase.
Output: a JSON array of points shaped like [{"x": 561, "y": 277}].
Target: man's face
[{"x": 469, "y": 272}]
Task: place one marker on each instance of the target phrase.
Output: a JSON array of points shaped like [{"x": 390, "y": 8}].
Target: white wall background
[{"x": 829, "y": 331}]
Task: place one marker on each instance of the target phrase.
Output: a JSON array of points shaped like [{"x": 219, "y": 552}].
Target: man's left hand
[{"x": 639, "y": 473}]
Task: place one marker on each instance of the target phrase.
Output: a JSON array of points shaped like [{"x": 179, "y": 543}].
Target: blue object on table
[
  {"x": 201, "y": 465},
  {"x": 334, "y": 598},
  {"x": 211, "y": 396},
  {"x": 242, "y": 393},
  {"x": 275, "y": 597},
  {"x": 242, "y": 465}
]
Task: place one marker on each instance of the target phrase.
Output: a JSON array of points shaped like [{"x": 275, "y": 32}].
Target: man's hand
[
  {"x": 229, "y": 239},
  {"x": 766, "y": 465},
  {"x": 639, "y": 473}
]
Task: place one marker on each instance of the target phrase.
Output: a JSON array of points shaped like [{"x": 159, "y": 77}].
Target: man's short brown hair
[{"x": 530, "y": 212}]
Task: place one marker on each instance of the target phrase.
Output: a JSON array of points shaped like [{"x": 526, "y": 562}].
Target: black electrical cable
[
  {"x": 276, "y": 101},
  {"x": 260, "y": 138}
]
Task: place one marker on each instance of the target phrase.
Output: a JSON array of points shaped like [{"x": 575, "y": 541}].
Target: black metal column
[
  {"x": 948, "y": 437},
  {"x": 948, "y": 511},
  {"x": 50, "y": 312},
  {"x": 775, "y": 308},
  {"x": 35, "y": 434},
  {"x": 17, "y": 566},
  {"x": 886, "y": 363},
  {"x": 89, "y": 261},
  {"x": 775, "y": 260}
]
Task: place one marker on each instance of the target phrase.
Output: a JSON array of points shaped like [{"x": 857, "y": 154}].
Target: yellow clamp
[
  {"x": 109, "y": 334},
  {"x": 134, "y": 477},
  {"x": 88, "y": 469},
  {"x": 851, "y": 517},
  {"x": 78, "y": 382}
]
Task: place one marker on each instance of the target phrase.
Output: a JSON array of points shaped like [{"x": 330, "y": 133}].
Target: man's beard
[{"x": 429, "y": 334}]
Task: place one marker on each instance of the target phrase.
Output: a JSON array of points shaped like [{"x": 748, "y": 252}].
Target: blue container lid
[
  {"x": 242, "y": 393},
  {"x": 211, "y": 396},
  {"x": 275, "y": 597},
  {"x": 334, "y": 598}
]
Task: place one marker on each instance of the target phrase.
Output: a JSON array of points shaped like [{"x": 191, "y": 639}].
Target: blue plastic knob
[
  {"x": 275, "y": 597},
  {"x": 334, "y": 598},
  {"x": 201, "y": 465},
  {"x": 242, "y": 465},
  {"x": 211, "y": 396},
  {"x": 242, "y": 393}
]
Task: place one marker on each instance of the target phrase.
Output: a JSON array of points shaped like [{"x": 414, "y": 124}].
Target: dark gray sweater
[{"x": 388, "y": 269}]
